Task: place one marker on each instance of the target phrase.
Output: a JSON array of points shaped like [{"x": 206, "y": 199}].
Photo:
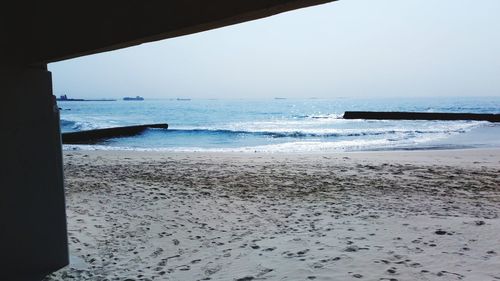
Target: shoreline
[
  {"x": 461, "y": 156},
  {"x": 479, "y": 138},
  {"x": 410, "y": 215},
  {"x": 483, "y": 136}
]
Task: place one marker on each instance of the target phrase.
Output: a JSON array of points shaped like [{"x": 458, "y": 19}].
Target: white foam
[
  {"x": 319, "y": 127},
  {"x": 402, "y": 134}
]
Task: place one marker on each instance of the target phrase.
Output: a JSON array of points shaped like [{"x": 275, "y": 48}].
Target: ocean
[{"x": 282, "y": 125}]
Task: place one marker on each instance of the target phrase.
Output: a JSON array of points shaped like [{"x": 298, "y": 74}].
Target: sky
[{"x": 348, "y": 48}]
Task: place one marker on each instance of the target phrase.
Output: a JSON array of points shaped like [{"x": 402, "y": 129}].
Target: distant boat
[
  {"x": 65, "y": 98},
  {"x": 280, "y": 98},
  {"x": 132, "y": 98},
  {"x": 183, "y": 99}
]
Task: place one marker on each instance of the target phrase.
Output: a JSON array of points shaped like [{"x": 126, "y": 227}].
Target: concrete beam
[
  {"x": 33, "y": 226},
  {"x": 48, "y": 31}
]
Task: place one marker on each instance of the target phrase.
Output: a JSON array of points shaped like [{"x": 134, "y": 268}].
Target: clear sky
[{"x": 349, "y": 48}]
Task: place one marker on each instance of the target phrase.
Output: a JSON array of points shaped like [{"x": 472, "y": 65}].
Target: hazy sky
[{"x": 349, "y": 48}]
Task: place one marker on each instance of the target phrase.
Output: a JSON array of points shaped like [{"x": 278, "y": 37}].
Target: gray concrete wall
[{"x": 33, "y": 226}]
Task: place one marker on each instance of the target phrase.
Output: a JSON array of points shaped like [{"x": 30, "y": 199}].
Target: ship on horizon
[
  {"x": 133, "y": 98},
  {"x": 65, "y": 98}
]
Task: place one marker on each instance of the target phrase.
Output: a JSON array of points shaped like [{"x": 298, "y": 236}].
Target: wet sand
[{"x": 416, "y": 215}]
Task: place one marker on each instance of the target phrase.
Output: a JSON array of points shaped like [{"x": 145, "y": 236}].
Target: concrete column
[{"x": 33, "y": 219}]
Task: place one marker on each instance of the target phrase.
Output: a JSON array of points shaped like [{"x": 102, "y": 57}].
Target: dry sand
[{"x": 420, "y": 215}]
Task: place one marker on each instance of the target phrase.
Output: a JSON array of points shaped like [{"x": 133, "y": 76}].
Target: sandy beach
[{"x": 410, "y": 215}]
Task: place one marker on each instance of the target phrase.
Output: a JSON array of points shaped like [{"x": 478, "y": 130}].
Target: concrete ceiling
[{"x": 35, "y": 32}]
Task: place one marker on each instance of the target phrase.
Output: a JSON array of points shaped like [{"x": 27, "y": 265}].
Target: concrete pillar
[{"x": 33, "y": 219}]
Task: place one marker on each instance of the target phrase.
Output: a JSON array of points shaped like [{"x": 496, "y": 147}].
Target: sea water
[{"x": 282, "y": 125}]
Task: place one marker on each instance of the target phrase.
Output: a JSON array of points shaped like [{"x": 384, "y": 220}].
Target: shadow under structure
[{"x": 33, "y": 234}]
